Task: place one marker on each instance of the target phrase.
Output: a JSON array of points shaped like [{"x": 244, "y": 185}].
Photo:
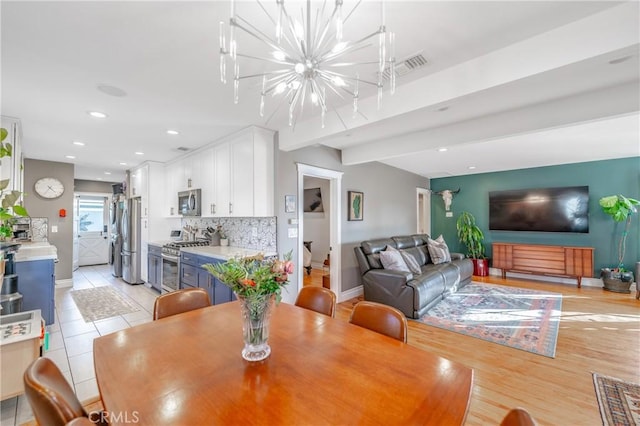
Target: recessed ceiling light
[
  {"x": 173, "y": 132},
  {"x": 97, "y": 114},
  {"x": 619, "y": 60},
  {"x": 107, "y": 173},
  {"x": 471, "y": 167},
  {"x": 123, "y": 164},
  {"x": 98, "y": 178},
  {"x": 139, "y": 153},
  {"x": 71, "y": 157},
  {"x": 112, "y": 90},
  {"x": 443, "y": 149},
  {"x": 78, "y": 143}
]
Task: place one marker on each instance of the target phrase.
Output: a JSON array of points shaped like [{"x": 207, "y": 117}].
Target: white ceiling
[{"x": 522, "y": 84}]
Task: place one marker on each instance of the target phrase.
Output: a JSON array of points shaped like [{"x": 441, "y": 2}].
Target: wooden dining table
[{"x": 187, "y": 369}]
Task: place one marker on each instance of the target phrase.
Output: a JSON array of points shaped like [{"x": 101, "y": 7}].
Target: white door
[
  {"x": 76, "y": 242},
  {"x": 93, "y": 224}
]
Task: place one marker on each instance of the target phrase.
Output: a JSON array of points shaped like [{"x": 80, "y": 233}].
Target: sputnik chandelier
[{"x": 307, "y": 60}]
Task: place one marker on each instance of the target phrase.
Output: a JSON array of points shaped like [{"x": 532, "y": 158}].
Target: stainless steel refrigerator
[
  {"x": 115, "y": 248},
  {"x": 131, "y": 266}
]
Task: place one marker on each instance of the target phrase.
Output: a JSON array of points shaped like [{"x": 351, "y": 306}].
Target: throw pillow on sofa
[
  {"x": 411, "y": 262},
  {"x": 438, "y": 250},
  {"x": 392, "y": 259}
]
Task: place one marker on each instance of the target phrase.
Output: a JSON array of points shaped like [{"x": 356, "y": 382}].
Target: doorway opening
[
  {"x": 91, "y": 230},
  {"x": 321, "y": 227},
  {"x": 423, "y": 206}
]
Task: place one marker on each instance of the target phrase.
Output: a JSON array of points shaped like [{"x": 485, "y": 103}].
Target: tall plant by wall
[
  {"x": 10, "y": 208},
  {"x": 620, "y": 208}
]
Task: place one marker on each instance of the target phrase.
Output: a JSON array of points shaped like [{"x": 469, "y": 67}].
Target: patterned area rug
[
  {"x": 619, "y": 401},
  {"x": 516, "y": 317},
  {"x": 102, "y": 302}
]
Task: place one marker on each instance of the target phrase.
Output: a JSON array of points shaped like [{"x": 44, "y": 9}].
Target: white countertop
[
  {"x": 224, "y": 252},
  {"x": 36, "y": 251},
  {"x": 29, "y": 323}
]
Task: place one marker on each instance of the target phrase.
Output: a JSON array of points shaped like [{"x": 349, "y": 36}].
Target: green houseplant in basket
[
  {"x": 621, "y": 209},
  {"x": 472, "y": 236}
]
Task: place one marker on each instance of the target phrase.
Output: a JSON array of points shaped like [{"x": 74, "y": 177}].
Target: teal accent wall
[{"x": 608, "y": 177}]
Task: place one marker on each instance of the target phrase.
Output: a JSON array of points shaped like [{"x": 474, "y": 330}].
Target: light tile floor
[{"x": 71, "y": 339}]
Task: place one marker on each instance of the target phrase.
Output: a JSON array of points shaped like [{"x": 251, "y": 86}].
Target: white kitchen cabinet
[
  {"x": 252, "y": 173},
  {"x": 139, "y": 186},
  {"x": 174, "y": 175},
  {"x": 206, "y": 181},
  {"x": 235, "y": 176},
  {"x": 222, "y": 174},
  {"x": 242, "y": 177}
]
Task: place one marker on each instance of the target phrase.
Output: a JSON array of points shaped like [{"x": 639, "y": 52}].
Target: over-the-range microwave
[{"x": 189, "y": 202}]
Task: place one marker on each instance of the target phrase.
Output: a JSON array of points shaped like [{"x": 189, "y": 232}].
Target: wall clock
[{"x": 49, "y": 187}]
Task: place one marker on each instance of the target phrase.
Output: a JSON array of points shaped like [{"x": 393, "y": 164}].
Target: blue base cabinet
[
  {"x": 154, "y": 267},
  {"x": 36, "y": 283},
  {"x": 193, "y": 275}
]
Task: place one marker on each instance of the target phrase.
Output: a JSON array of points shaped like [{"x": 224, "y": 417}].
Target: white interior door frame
[
  {"x": 335, "y": 209},
  {"x": 423, "y": 211}
]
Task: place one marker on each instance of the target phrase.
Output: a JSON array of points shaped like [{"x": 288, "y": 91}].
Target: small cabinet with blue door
[
  {"x": 154, "y": 258},
  {"x": 192, "y": 274},
  {"x": 36, "y": 283}
]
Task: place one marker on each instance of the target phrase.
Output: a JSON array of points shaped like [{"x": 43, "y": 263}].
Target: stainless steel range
[{"x": 171, "y": 263}]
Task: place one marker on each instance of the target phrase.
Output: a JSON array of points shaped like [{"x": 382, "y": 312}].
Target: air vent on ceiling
[
  {"x": 183, "y": 148},
  {"x": 407, "y": 65}
]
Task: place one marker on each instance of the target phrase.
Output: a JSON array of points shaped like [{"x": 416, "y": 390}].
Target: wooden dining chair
[
  {"x": 179, "y": 301},
  {"x": 381, "y": 318},
  {"x": 518, "y": 417},
  {"x": 52, "y": 399},
  {"x": 317, "y": 299}
]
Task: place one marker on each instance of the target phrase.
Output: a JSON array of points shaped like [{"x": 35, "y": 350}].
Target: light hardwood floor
[{"x": 599, "y": 332}]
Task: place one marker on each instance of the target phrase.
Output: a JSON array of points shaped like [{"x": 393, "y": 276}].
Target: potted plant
[
  {"x": 620, "y": 208},
  {"x": 471, "y": 236},
  {"x": 9, "y": 206}
]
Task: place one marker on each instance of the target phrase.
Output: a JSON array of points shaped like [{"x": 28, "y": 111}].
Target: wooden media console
[{"x": 544, "y": 260}]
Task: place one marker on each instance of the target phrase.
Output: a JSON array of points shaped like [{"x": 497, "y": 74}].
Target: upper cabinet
[
  {"x": 235, "y": 176},
  {"x": 139, "y": 183}
]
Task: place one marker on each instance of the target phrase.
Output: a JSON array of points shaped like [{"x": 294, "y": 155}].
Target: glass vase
[{"x": 256, "y": 312}]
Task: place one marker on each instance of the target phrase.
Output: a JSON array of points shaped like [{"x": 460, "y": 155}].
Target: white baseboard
[
  {"x": 350, "y": 294},
  {"x": 64, "y": 283}
]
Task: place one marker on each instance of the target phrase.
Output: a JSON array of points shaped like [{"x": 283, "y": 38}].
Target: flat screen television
[{"x": 563, "y": 209}]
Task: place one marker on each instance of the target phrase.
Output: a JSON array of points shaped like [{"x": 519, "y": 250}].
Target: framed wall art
[{"x": 356, "y": 205}]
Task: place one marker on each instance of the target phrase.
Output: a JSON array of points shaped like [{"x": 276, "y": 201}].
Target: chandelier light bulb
[
  {"x": 295, "y": 84},
  {"x": 314, "y": 98},
  {"x": 280, "y": 88},
  {"x": 339, "y": 47},
  {"x": 299, "y": 68},
  {"x": 279, "y": 55},
  {"x": 338, "y": 81}
]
